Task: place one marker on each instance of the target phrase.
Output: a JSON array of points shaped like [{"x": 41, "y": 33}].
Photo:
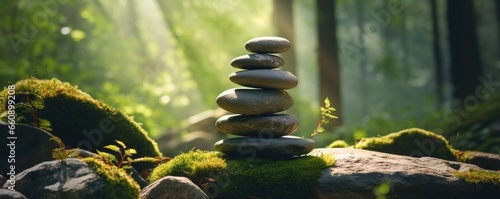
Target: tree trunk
[
  {"x": 364, "y": 58},
  {"x": 329, "y": 69},
  {"x": 283, "y": 20},
  {"x": 438, "y": 63},
  {"x": 464, "y": 50},
  {"x": 405, "y": 49}
]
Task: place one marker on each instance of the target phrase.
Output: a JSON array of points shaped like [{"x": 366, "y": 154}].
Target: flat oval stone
[
  {"x": 286, "y": 146},
  {"x": 247, "y": 101},
  {"x": 265, "y": 126},
  {"x": 267, "y": 45},
  {"x": 257, "y": 61},
  {"x": 274, "y": 79}
]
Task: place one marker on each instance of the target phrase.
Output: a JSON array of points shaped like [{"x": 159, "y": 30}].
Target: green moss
[
  {"x": 480, "y": 177},
  {"x": 240, "y": 178},
  {"x": 465, "y": 156},
  {"x": 118, "y": 184},
  {"x": 82, "y": 121},
  {"x": 338, "y": 144},
  {"x": 192, "y": 165},
  {"x": 411, "y": 142}
]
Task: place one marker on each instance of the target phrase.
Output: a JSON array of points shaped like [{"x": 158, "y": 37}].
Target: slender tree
[
  {"x": 364, "y": 58},
  {"x": 329, "y": 68},
  {"x": 437, "y": 54},
  {"x": 283, "y": 20},
  {"x": 464, "y": 50}
]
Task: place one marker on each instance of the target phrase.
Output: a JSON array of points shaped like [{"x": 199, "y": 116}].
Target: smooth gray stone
[
  {"x": 71, "y": 178},
  {"x": 247, "y": 101},
  {"x": 261, "y": 126},
  {"x": 267, "y": 45},
  {"x": 286, "y": 146},
  {"x": 257, "y": 61},
  {"x": 357, "y": 172},
  {"x": 274, "y": 79},
  {"x": 173, "y": 187},
  {"x": 9, "y": 194}
]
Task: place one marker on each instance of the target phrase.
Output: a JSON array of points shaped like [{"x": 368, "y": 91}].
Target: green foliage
[
  {"x": 241, "y": 178},
  {"x": 382, "y": 190},
  {"x": 74, "y": 115},
  {"x": 326, "y": 115},
  {"x": 118, "y": 184},
  {"x": 27, "y": 106},
  {"x": 141, "y": 58},
  {"x": 411, "y": 142},
  {"x": 480, "y": 177},
  {"x": 61, "y": 153},
  {"x": 125, "y": 160}
]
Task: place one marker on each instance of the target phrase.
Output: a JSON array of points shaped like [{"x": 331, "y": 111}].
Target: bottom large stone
[{"x": 286, "y": 146}]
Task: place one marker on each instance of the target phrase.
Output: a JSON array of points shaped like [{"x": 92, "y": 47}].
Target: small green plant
[
  {"x": 61, "y": 153},
  {"x": 326, "y": 115},
  {"x": 382, "y": 190},
  {"x": 125, "y": 160},
  {"x": 27, "y": 106}
]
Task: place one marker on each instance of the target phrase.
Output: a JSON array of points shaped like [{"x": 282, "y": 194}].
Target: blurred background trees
[{"x": 385, "y": 64}]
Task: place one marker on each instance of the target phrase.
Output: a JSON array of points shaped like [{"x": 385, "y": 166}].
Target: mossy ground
[
  {"x": 118, "y": 184},
  {"x": 411, "y": 142},
  {"x": 246, "y": 178},
  {"x": 71, "y": 112}
]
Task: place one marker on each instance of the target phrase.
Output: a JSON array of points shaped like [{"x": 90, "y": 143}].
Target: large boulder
[
  {"x": 173, "y": 187},
  {"x": 357, "y": 173},
  {"x": 78, "y": 119},
  {"x": 75, "y": 178},
  {"x": 410, "y": 142},
  {"x": 484, "y": 160}
]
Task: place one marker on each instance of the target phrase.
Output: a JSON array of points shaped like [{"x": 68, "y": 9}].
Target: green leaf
[
  {"x": 121, "y": 144},
  {"x": 130, "y": 152},
  {"x": 38, "y": 103},
  {"x": 113, "y": 148},
  {"x": 107, "y": 156},
  {"x": 43, "y": 123}
]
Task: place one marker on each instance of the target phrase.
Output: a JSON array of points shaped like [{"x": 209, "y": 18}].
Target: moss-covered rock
[
  {"x": 118, "y": 184},
  {"x": 77, "y": 118},
  {"x": 411, "y": 142},
  {"x": 480, "y": 177},
  {"x": 338, "y": 144},
  {"x": 224, "y": 177}
]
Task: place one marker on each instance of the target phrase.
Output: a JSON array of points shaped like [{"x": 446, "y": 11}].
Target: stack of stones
[{"x": 262, "y": 131}]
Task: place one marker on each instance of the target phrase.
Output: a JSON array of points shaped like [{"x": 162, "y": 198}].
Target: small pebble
[{"x": 267, "y": 45}]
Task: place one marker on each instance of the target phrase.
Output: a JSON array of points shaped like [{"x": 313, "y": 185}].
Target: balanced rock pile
[{"x": 265, "y": 132}]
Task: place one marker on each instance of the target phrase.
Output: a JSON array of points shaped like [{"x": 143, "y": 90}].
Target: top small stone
[{"x": 267, "y": 45}]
